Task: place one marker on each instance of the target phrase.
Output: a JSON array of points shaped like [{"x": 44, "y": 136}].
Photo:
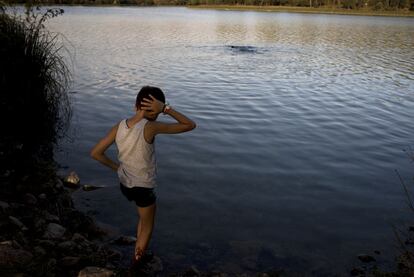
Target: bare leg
[
  {"x": 138, "y": 227},
  {"x": 144, "y": 229}
]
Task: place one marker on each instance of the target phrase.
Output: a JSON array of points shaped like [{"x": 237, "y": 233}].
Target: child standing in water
[{"x": 134, "y": 138}]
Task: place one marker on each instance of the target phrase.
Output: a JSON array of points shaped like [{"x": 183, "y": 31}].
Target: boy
[{"x": 134, "y": 138}]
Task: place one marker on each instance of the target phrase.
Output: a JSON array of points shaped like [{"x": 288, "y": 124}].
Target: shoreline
[
  {"x": 255, "y": 8},
  {"x": 43, "y": 233},
  {"x": 306, "y": 10}
]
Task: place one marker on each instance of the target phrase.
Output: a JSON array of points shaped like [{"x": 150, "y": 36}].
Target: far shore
[
  {"x": 284, "y": 9},
  {"x": 322, "y": 10}
]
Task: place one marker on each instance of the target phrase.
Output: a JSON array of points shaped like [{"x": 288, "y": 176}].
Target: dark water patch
[{"x": 244, "y": 49}]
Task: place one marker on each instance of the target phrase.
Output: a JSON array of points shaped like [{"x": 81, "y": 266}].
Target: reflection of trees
[{"x": 346, "y": 4}]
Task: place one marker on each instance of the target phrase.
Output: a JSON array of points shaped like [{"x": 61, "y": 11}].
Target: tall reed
[{"x": 35, "y": 108}]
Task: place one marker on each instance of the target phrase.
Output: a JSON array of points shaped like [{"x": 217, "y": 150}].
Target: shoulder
[{"x": 114, "y": 128}]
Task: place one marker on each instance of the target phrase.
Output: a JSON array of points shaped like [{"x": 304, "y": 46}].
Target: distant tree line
[{"x": 344, "y": 4}]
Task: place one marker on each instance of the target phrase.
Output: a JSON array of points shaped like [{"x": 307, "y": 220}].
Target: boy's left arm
[{"x": 98, "y": 151}]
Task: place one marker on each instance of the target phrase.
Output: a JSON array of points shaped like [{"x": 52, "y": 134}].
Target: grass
[{"x": 34, "y": 79}]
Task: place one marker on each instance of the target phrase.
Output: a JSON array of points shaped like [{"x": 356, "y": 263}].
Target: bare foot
[{"x": 138, "y": 253}]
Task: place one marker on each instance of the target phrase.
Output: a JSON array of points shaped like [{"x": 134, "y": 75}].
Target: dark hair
[{"x": 146, "y": 91}]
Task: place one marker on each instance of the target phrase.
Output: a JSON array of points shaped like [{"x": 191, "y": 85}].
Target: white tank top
[{"x": 136, "y": 156}]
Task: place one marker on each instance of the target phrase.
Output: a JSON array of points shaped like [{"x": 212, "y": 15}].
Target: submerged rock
[
  {"x": 30, "y": 199},
  {"x": 11, "y": 257},
  {"x": 67, "y": 246},
  {"x": 50, "y": 217},
  {"x": 93, "y": 271},
  {"x": 18, "y": 223},
  {"x": 125, "y": 240},
  {"x": 59, "y": 184},
  {"x": 91, "y": 187},
  {"x": 39, "y": 251},
  {"x": 69, "y": 261},
  {"x": 366, "y": 258},
  {"x": 243, "y": 48},
  {"x": 150, "y": 265},
  {"x": 357, "y": 272},
  {"x": 54, "y": 231},
  {"x": 48, "y": 244},
  {"x": 192, "y": 271},
  {"x": 79, "y": 222},
  {"x": 4, "y": 206}
]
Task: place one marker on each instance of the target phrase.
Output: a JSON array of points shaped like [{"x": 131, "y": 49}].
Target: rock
[
  {"x": 113, "y": 254},
  {"x": 92, "y": 271},
  {"x": 51, "y": 265},
  {"x": 216, "y": 273},
  {"x": 80, "y": 223},
  {"x": 39, "y": 251},
  {"x": 125, "y": 240},
  {"x": 110, "y": 266},
  {"x": 17, "y": 206},
  {"x": 30, "y": 199},
  {"x": 366, "y": 258},
  {"x": 91, "y": 187},
  {"x": 81, "y": 242},
  {"x": 54, "y": 231},
  {"x": 109, "y": 253},
  {"x": 18, "y": 223},
  {"x": 16, "y": 244},
  {"x": 10, "y": 257},
  {"x": 39, "y": 225},
  {"x": 67, "y": 246},
  {"x": 7, "y": 242},
  {"x": 4, "y": 207},
  {"x": 192, "y": 271},
  {"x": 72, "y": 179},
  {"x": 7, "y": 172},
  {"x": 59, "y": 184},
  {"x": 64, "y": 200},
  {"x": 154, "y": 265},
  {"x": 79, "y": 238},
  {"x": 22, "y": 239},
  {"x": 69, "y": 261},
  {"x": 48, "y": 244},
  {"x": 357, "y": 271},
  {"x": 50, "y": 217}
]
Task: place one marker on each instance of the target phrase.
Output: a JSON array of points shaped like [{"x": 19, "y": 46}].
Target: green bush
[{"x": 34, "y": 104}]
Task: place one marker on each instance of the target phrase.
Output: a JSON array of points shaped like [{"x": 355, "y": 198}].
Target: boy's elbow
[
  {"x": 93, "y": 154},
  {"x": 192, "y": 126}
]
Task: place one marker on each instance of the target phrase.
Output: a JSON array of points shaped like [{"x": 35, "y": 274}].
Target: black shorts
[{"x": 143, "y": 197}]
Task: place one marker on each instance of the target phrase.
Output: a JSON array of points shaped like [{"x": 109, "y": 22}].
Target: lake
[{"x": 302, "y": 120}]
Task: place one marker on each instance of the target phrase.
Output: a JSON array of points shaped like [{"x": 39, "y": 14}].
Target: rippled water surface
[{"x": 301, "y": 122}]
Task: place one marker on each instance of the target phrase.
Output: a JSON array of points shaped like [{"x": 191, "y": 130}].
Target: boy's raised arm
[{"x": 184, "y": 123}]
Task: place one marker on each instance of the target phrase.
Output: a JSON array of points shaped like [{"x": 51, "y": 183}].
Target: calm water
[{"x": 299, "y": 131}]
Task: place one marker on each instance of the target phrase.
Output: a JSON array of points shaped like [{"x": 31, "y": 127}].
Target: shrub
[{"x": 34, "y": 104}]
